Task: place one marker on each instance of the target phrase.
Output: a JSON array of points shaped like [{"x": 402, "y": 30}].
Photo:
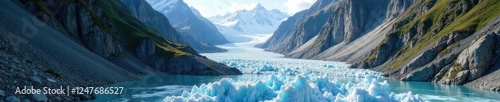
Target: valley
[{"x": 252, "y": 50}]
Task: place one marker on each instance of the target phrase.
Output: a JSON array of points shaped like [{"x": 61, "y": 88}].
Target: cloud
[
  {"x": 240, "y": 6},
  {"x": 294, "y": 6}
]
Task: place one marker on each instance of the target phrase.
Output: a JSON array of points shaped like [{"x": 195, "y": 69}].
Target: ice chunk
[{"x": 302, "y": 88}]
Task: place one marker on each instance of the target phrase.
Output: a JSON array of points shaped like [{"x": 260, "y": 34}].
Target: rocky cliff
[
  {"x": 447, "y": 41},
  {"x": 444, "y": 41},
  {"x": 156, "y": 20},
  {"x": 185, "y": 21},
  {"x": 332, "y": 32},
  {"x": 290, "y": 34},
  {"x": 85, "y": 43},
  {"x": 110, "y": 30},
  {"x": 347, "y": 22}
]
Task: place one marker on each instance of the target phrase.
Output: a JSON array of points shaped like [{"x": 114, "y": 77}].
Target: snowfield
[{"x": 288, "y": 80}]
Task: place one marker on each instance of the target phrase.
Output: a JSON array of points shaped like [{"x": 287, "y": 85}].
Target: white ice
[
  {"x": 251, "y": 60},
  {"x": 288, "y": 80},
  {"x": 298, "y": 88}
]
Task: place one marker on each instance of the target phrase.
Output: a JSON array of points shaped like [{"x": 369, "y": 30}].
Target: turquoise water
[
  {"x": 156, "y": 88},
  {"x": 444, "y": 93},
  {"x": 259, "y": 65}
]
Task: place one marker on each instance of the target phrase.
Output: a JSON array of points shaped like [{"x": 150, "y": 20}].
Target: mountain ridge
[
  {"x": 258, "y": 20},
  {"x": 421, "y": 40},
  {"x": 293, "y": 26},
  {"x": 144, "y": 12},
  {"x": 185, "y": 21},
  {"x": 86, "y": 43}
]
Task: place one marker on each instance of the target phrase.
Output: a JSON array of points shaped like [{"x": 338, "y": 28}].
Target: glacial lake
[{"x": 261, "y": 66}]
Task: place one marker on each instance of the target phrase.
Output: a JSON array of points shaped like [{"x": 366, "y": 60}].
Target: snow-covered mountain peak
[
  {"x": 259, "y": 7},
  {"x": 255, "y": 21}
]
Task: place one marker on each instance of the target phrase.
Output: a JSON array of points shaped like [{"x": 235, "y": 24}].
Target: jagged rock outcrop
[
  {"x": 146, "y": 14},
  {"x": 444, "y": 41},
  {"x": 85, "y": 43},
  {"x": 441, "y": 41},
  {"x": 185, "y": 21},
  {"x": 33, "y": 53},
  {"x": 347, "y": 22},
  {"x": 473, "y": 61},
  {"x": 108, "y": 29},
  {"x": 299, "y": 28},
  {"x": 337, "y": 32}
]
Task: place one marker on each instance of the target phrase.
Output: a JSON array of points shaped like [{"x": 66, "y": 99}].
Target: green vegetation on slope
[
  {"x": 133, "y": 31},
  {"x": 442, "y": 20},
  {"x": 42, "y": 7}
]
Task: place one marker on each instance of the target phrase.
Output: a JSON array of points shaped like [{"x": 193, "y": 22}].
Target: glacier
[
  {"x": 251, "y": 60},
  {"x": 289, "y": 80}
]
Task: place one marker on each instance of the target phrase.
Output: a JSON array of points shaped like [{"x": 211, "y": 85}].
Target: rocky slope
[
  {"x": 347, "y": 22},
  {"x": 185, "y": 21},
  {"x": 447, "y": 41},
  {"x": 152, "y": 18},
  {"x": 444, "y": 41},
  {"x": 84, "y": 43},
  {"x": 259, "y": 20},
  {"x": 291, "y": 33}
]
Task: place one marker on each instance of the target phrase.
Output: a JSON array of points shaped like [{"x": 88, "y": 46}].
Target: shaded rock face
[
  {"x": 91, "y": 24},
  {"x": 152, "y": 18},
  {"x": 145, "y": 13},
  {"x": 191, "y": 64},
  {"x": 196, "y": 65},
  {"x": 337, "y": 24},
  {"x": 423, "y": 40},
  {"x": 80, "y": 25},
  {"x": 33, "y": 53},
  {"x": 182, "y": 18},
  {"x": 349, "y": 21},
  {"x": 299, "y": 28}
]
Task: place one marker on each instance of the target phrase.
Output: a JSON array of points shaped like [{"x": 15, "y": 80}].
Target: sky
[{"x": 209, "y": 8}]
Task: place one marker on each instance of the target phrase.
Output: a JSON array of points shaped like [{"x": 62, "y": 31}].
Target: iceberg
[
  {"x": 293, "y": 88},
  {"x": 289, "y": 80}
]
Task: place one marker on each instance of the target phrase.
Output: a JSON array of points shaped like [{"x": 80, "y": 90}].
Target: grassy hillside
[
  {"x": 133, "y": 31},
  {"x": 445, "y": 17}
]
